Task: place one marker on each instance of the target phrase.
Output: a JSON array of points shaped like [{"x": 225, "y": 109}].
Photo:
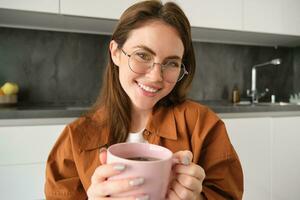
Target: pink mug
[{"x": 149, "y": 161}]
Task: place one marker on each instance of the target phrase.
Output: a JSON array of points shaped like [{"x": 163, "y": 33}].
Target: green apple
[{"x": 10, "y": 88}]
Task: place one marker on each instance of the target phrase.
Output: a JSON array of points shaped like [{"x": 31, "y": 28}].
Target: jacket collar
[{"x": 161, "y": 123}]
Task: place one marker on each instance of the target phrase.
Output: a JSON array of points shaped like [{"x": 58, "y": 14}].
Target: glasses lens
[
  {"x": 141, "y": 62},
  {"x": 172, "y": 70},
  {"x": 182, "y": 72}
]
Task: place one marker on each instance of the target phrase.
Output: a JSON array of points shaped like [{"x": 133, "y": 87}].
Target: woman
[{"x": 143, "y": 99}]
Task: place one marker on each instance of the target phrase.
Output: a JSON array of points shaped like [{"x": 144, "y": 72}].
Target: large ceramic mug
[{"x": 149, "y": 161}]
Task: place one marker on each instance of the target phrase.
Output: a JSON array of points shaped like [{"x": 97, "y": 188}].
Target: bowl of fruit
[{"x": 8, "y": 94}]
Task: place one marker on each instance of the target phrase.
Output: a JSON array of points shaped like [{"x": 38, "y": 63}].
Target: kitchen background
[
  {"x": 56, "y": 51},
  {"x": 62, "y": 68}
]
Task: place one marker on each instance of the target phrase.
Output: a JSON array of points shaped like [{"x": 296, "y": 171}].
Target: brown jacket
[{"x": 188, "y": 126}]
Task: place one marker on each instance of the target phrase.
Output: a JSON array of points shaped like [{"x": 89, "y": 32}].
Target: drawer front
[
  {"x": 22, "y": 182},
  {"x": 27, "y": 144}
]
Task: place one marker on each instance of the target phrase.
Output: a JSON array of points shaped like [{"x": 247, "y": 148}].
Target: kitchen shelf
[{"x": 78, "y": 24}]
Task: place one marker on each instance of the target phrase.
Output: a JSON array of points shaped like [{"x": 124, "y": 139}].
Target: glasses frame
[{"x": 185, "y": 72}]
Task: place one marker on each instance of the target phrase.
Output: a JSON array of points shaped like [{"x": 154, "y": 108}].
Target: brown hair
[{"x": 113, "y": 100}]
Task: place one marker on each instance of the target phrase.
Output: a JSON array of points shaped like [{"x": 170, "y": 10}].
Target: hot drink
[{"x": 143, "y": 158}]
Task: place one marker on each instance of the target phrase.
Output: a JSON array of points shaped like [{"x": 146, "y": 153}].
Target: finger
[
  {"x": 181, "y": 191},
  {"x": 142, "y": 197},
  {"x": 190, "y": 183},
  {"x": 112, "y": 187},
  {"x": 183, "y": 157},
  {"x": 191, "y": 170},
  {"x": 172, "y": 195},
  {"x": 103, "y": 155},
  {"x": 107, "y": 170}
]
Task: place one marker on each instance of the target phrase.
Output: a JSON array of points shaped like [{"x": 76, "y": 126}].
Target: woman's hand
[
  {"x": 101, "y": 188},
  {"x": 187, "y": 180}
]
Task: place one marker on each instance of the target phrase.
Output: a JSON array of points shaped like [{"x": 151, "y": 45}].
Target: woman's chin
[{"x": 144, "y": 105}]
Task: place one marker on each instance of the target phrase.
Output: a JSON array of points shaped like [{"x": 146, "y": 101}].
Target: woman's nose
[{"x": 156, "y": 73}]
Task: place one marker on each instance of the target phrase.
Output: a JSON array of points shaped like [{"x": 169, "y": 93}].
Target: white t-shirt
[{"x": 136, "y": 137}]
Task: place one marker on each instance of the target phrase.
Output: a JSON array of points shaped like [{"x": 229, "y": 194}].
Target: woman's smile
[{"x": 148, "y": 90}]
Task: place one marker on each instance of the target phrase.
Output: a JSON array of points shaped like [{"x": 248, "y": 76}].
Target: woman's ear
[{"x": 115, "y": 52}]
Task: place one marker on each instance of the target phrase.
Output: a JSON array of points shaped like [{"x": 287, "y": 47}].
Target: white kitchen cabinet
[
  {"x": 48, "y": 6},
  {"x": 22, "y": 181},
  {"x": 285, "y": 158},
  {"x": 291, "y": 17},
  {"x": 254, "y": 22},
  {"x": 94, "y": 8},
  {"x": 263, "y": 16},
  {"x": 27, "y": 144},
  {"x": 23, "y": 154},
  {"x": 213, "y": 13},
  {"x": 269, "y": 151},
  {"x": 251, "y": 138},
  {"x": 272, "y": 16},
  {"x": 201, "y": 13}
]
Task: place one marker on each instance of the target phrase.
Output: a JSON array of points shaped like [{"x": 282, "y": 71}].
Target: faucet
[{"x": 253, "y": 93}]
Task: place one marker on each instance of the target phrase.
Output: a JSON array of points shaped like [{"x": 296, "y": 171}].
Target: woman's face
[{"x": 162, "y": 42}]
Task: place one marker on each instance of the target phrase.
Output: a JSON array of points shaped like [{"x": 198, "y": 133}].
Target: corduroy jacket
[{"x": 187, "y": 126}]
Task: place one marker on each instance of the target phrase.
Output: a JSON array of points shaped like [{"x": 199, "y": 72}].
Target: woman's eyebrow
[
  {"x": 152, "y": 52},
  {"x": 145, "y": 48},
  {"x": 173, "y": 57}
]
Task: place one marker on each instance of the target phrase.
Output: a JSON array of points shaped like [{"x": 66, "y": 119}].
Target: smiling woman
[
  {"x": 150, "y": 68},
  {"x": 146, "y": 89}
]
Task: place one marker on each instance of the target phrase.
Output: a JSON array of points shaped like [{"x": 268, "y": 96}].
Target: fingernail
[
  {"x": 185, "y": 160},
  {"x": 119, "y": 167},
  {"x": 136, "y": 182},
  {"x": 146, "y": 197}
]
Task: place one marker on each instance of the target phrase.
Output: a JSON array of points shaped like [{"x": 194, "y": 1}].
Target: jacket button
[{"x": 146, "y": 133}]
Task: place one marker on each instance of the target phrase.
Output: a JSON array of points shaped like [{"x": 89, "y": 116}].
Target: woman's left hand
[{"x": 187, "y": 178}]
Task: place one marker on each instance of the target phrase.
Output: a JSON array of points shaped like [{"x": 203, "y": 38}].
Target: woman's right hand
[{"x": 101, "y": 188}]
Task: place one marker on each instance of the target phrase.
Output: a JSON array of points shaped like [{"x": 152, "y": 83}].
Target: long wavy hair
[{"x": 113, "y": 102}]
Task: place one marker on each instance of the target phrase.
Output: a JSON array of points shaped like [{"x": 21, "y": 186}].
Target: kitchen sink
[
  {"x": 248, "y": 103},
  {"x": 276, "y": 104}
]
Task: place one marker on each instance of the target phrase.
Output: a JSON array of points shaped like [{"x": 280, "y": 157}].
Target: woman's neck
[{"x": 139, "y": 119}]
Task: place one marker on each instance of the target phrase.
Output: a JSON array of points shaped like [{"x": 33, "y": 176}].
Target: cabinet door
[
  {"x": 213, "y": 13},
  {"x": 94, "y": 8},
  {"x": 286, "y": 158},
  {"x": 263, "y": 16},
  {"x": 251, "y": 138},
  {"x": 27, "y": 144},
  {"x": 49, "y": 6},
  {"x": 22, "y": 181},
  {"x": 291, "y": 17},
  {"x": 23, "y": 154}
]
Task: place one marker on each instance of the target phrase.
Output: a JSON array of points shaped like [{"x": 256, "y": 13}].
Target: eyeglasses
[{"x": 142, "y": 62}]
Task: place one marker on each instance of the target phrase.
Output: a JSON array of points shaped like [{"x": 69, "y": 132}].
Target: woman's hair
[{"x": 115, "y": 103}]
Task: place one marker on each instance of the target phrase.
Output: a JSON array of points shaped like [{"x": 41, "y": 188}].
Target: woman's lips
[{"x": 148, "y": 90}]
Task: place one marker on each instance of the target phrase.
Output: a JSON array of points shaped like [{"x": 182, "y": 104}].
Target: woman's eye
[
  {"x": 144, "y": 56},
  {"x": 173, "y": 64}
]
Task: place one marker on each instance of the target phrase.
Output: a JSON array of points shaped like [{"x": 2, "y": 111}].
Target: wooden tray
[{"x": 8, "y": 100}]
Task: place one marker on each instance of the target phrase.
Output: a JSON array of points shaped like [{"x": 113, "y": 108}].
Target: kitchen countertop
[
  {"x": 42, "y": 111},
  {"x": 223, "y": 109}
]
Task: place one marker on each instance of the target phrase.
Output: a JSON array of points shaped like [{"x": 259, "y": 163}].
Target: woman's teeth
[{"x": 146, "y": 88}]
